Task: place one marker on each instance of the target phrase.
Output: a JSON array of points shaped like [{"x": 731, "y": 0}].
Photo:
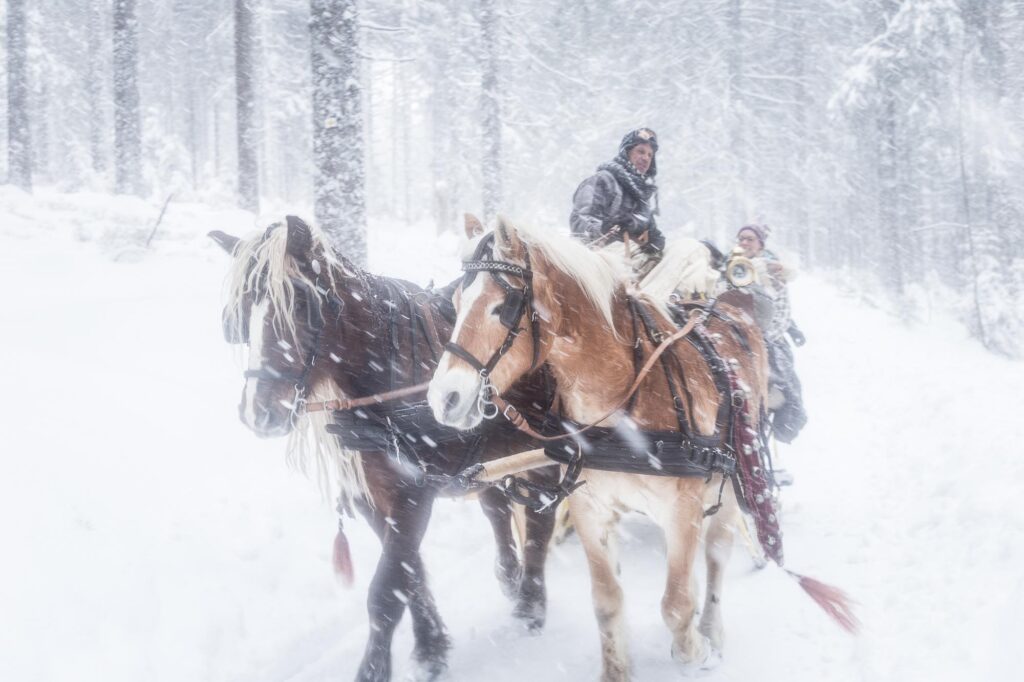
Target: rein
[
  {"x": 317, "y": 298},
  {"x": 433, "y": 339},
  {"x": 517, "y": 301},
  {"x": 376, "y": 398}
]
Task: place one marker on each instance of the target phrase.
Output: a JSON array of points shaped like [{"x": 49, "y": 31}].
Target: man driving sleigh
[{"x": 618, "y": 203}]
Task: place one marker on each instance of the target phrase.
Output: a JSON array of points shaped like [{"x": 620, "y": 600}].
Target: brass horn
[{"x": 739, "y": 270}]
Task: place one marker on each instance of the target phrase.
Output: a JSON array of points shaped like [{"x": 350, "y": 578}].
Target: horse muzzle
[
  {"x": 454, "y": 397},
  {"x": 265, "y": 423}
]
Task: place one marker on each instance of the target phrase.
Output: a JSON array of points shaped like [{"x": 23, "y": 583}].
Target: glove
[
  {"x": 627, "y": 224},
  {"x": 633, "y": 226},
  {"x": 611, "y": 225},
  {"x": 655, "y": 242},
  {"x": 798, "y": 336}
]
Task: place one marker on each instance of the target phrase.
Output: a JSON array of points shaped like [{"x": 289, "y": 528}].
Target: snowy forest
[
  {"x": 878, "y": 138},
  {"x": 153, "y": 534}
]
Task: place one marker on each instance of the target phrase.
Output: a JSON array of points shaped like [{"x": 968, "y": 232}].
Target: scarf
[{"x": 640, "y": 187}]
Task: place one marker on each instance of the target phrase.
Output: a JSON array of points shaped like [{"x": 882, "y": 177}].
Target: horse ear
[
  {"x": 507, "y": 238},
  {"x": 224, "y": 241},
  {"x": 474, "y": 228},
  {"x": 300, "y": 237}
]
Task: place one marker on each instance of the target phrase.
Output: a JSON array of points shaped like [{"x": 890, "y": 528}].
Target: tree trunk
[
  {"x": 444, "y": 110},
  {"x": 736, "y": 211},
  {"x": 801, "y": 217},
  {"x": 97, "y": 152},
  {"x": 245, "y": 100},
  {"x": 19, "y": 139},
  {"x": 490, "y": 110},
  {"x": 127, "y": 121},
  {"x": 339, "y": 177}
]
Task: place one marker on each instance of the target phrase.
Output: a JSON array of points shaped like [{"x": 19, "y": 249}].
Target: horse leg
[
  {"x": 432, "y": 642},
  {"x": 400, "y": 578},
  {"x": 718, "y": 541},
  {"x": 507, "y": 569},
  {"x": 533, "y": 601},
  {"x": 682, "y": 526},
  {"x": 595, "y": 525}
]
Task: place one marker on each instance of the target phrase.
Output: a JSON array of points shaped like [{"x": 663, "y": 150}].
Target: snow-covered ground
[{"x": 149, "y": 536}]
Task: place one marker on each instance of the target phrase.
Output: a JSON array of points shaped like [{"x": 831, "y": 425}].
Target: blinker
[{"x": 512, "y": 308}]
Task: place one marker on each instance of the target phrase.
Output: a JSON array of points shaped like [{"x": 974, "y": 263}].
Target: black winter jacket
[{"x": 600, "y": 203}]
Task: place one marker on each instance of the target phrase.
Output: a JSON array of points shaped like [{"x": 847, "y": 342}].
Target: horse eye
[{"x": 496, "y": 310}]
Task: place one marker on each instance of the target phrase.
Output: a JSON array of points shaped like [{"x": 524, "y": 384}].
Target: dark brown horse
[{"x": 319, "y": 328}]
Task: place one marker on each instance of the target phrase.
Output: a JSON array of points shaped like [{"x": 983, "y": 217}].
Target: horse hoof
[
  {"x": 532, "y": 616},
  {"x": 708, "y": 660},
  {"x": 427, "y": 671}
]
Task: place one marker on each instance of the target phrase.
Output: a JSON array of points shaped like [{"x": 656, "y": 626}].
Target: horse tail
[
  {"x": 833, "y": 601},
  {"x": 342, "y": 558}
]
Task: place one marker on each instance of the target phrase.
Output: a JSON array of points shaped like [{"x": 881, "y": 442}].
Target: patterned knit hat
[
  {"x": 641, "y": 136},
  {"x": 761, "y": 231}
]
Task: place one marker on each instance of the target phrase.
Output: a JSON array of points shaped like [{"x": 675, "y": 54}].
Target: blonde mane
[
  {"x": 598, "y": 273},
  {"x": 685, "y": 267},
  {"x": 263, "y": 267}
]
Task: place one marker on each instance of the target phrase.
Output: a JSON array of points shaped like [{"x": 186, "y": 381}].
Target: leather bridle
[
  {"x": 317, "y": 298},
  {"x": 518, "y": 303}
]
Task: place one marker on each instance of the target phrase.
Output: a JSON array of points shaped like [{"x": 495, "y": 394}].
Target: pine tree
[
  {"x": 95, "y": 89},
  {"x": 127, "y": 119},
  {"x": 245, "y": 101},
  {"x": 490, "y": 111},
  {"x": 19, "y": 145},
  {"x": 339, "y": 178}
]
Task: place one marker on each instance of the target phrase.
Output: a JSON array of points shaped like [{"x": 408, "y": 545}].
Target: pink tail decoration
[
  {"x": 833, "y": 601},
  {"x": 343, "y": 569}
]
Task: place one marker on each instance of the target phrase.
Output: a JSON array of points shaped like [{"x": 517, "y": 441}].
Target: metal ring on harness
[{"x": 484, "y": 401}]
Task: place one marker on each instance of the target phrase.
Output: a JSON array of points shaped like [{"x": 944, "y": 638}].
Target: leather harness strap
[
  {"x": 349, "y": 403},
  {"x": 519, "y": 421}
]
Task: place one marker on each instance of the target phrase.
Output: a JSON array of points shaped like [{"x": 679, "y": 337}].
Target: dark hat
[
  {"x": 639, "y": 136},
  {"x": 761, "y": 231}
]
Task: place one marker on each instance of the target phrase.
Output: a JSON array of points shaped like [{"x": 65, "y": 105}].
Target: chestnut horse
[
  {"x": 582, "y": 304},
  {"x": 317, "y": 328}
]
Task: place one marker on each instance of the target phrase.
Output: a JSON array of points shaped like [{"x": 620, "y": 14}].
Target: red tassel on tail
[
  {"x": 832, "y": 601},
  {"x": 343, "y": 569}
]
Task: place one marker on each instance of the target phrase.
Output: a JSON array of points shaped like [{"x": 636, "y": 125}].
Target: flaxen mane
[
  {"x": 685, "y": 267},
  {"x": 263, "y": 268}
]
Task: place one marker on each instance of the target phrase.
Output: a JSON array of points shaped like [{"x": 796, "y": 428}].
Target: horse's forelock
[{"x": 263, "y": 267}]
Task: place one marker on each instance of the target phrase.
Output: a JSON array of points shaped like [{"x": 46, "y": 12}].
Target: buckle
[{"x": 516, "y": 417}]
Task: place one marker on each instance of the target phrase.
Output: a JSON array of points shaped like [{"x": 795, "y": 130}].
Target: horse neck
[
  {"x": 360, "y": 332},
  {"x": 377, "y": 351},
  {"x": 593, "y": 365}
]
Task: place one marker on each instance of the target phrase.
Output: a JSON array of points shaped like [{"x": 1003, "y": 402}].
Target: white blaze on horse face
[
  {"x": 461, "y": 380},
  {"x": 257, "y": 317}
]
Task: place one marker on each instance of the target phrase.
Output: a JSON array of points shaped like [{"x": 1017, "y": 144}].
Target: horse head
[
  {"x": 280, "y": 304},
  {"x": 508, "y": 313}
]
